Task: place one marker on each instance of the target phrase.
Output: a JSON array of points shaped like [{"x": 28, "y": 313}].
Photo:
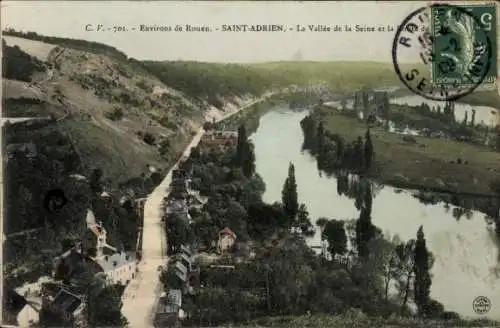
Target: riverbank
[
  {"x": 439, "y": 164},
  {"x": 489, "y": 98},
  {"x": 465, "y": 247},
  {"x": 251, "y": 116}
]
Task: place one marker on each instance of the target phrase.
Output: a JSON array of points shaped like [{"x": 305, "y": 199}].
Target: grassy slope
[{"x": 428, "y": 165}]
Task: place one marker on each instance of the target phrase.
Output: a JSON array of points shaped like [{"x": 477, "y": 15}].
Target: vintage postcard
[{"x": 250, "y": 164}]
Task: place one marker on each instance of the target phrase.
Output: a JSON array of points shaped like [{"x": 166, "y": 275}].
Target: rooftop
[
  {"x": 63, "y": 298},
  {"x": 174, "y": 297},
  {"x": 116, "y": 260},
  {"x": 185, "y": 249},
  {"x": 66, "y": 301},
  {"x": 180, "y": 271},
  {"x": 227, "y": 231},
  {"x": 170, "y": 302},
  {"x": 97, "y": 230}
]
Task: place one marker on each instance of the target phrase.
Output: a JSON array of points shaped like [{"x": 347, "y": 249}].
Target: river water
[
  {"x": 466, "y": 251},
  {"x": 485, "y": 115}
]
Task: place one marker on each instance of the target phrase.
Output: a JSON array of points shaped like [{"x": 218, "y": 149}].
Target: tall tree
[
  {"x": 96, "y": 181},
  {"x": 320, "y": 143},
  {"x": 289, "y": 195},
  {"x": 245, "y": 156},
  {"x": 356, "y": 101},
  {"x": 473, "y": 118},
  {"x": 359, "y": 155},
  {"x": 303, "y": 222},
  {"x": 365, "y": 230},
  {"x": 405, "y": 253},
  {"x": 366, "y": 105},
  {"x": 422, "y": 282},
  {"x": 368, "y": 150},
  {"x": 464, "y": 122},
  {"x": 248, "y": 165},
  {"x": 241, "y": 145},
  {"x": 334, "y": 233},
  {"x": 386, "y": 109},
  {"x": 340, "y": 150}
]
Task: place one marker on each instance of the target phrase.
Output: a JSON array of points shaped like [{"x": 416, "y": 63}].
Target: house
[
  {"x": 181, "y": 272},
  {"x": 94, "y": 239},
  {"x": 187, "y": 165},
  {"x": 64, "y": 303},
  {"x": 169, "y": 309},
  {"x": 176, "y": 206},
  {"x": 227, "y": 239},
  {"x": 182, "y": 275},
  {"x": 139, "y": 207},
  {"x": 177, "y": 209},
  {"x": 186, "y": 250},
  {"x": 195, "y": 200},
  {"x": 94, "y": 255},
  {"x": 178, "y": 189},
  {"x": 179, "y": 174},
  {"x": 119, "y": 268},
  {"x": 185, "y": 260},
  {"x": 186, "y": 257},
  {"x": 218, "y": 140}
]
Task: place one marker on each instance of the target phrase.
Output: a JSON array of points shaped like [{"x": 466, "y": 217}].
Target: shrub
[
  {"x": 164, "y": 147},
  {"x": 145, "y": 86},
  {"x": 115, "y": 115},
  {"x": 149, "y": 138}
]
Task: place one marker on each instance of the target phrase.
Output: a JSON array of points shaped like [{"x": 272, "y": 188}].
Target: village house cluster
[
  {"x": 93, "y": 256},
  {"x": 218, "y": 140},
  {"x": 182, "y": 273}
]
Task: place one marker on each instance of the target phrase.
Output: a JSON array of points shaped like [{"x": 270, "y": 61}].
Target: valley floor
[{"x": 427, "y": 162}]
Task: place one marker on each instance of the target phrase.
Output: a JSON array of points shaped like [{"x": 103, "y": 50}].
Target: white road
[{"x": 141, "y": 294}]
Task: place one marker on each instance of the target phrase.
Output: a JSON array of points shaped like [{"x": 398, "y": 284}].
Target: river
[
  {"x": 467, "y": 254},
  {"x": 484, "y": 114}
]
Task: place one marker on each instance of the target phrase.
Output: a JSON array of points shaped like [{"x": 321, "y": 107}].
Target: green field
[{"x": 430, "y": 162}]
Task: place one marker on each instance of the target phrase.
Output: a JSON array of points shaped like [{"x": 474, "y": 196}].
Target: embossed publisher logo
[{"x": 481, "y": 305}]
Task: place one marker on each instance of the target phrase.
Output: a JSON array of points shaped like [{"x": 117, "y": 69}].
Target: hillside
[
  {"x": 113, "y": 110},
  {"x": 96, "y": 112}
]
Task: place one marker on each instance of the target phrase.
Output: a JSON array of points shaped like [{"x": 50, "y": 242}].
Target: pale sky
[{"x": 69, "y": 19}]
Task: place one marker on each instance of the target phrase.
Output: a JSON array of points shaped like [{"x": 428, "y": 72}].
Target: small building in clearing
[
  {"x": 227, "y": 239},
  {"x": 169, "y": 311}
]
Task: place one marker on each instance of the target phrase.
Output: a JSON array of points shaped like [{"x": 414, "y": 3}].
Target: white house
[{"x": 119, "y": 267}]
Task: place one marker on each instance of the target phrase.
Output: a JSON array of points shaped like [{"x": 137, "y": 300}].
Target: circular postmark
[
  {"x": 449, "y": 50},
  {"x": 481, "y": 305}
]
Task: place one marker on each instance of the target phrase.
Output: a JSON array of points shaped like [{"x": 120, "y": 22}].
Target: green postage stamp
[{"x": 464, "y": 44}]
